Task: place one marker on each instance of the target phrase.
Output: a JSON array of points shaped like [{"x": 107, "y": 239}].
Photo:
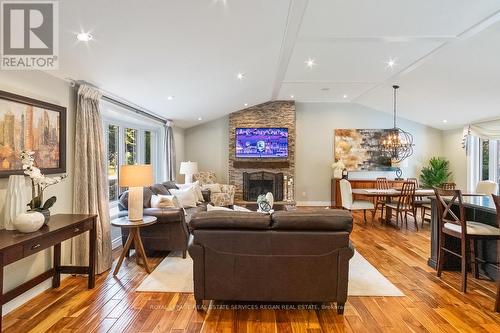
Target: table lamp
[
  {"x": 188, "y": 169},
  {"x": 135, "y": 177}
]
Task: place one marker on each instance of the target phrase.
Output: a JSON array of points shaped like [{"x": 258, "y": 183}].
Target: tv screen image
[{"x": 262, "y": 142}]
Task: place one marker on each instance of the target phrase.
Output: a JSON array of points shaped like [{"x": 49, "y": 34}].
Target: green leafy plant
[{"x": 436, "y": 173}]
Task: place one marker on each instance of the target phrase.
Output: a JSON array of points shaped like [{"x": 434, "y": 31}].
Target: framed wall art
[
  {"x": 29, "y": 124},
  {"x": 359, "y": 149}
]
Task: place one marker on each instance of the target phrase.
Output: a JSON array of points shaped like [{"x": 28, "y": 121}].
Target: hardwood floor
[{"x": 430, "y": 305}]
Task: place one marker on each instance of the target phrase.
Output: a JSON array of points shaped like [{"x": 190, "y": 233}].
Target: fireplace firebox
[{"x": 257, "y": 183}]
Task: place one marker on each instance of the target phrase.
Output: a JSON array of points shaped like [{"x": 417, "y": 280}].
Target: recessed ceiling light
[
  {"x": 240, "y": 76},
  {"x": 310, "y": 62},
  {"x": 199, "y": 118},
  {"x": 292, "y": 96},
  {"x": 445, "y": 121},
  {"x": 84, "y": 37},
  {"x": 170, "y": 97},
  {"x": 246, "y": 104},
  {"x": 345, "y": 96},
  {"x": 391, "y": 63}
]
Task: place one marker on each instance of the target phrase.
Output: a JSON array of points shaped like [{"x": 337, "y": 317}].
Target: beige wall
[
  {"x": 453, "y": 151},
  {"x": 316, "y": 122},
  {"x": 179, "y": 144},
  {"x": 207, "y": 145},
  {"x": 47, "y": 88}
]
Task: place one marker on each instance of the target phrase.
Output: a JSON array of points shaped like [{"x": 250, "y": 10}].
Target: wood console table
[{"x": 15, "y": 246}]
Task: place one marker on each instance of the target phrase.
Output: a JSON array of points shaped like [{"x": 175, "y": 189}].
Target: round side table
[{"x": 133, "y": 236}]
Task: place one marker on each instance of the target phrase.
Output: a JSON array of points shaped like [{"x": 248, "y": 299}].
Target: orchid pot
[{"x": 39, "y": 183}]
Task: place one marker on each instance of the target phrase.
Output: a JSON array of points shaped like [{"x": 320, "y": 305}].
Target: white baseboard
[
  {"x": 314, "y": 203},
  {"x": 117, "y": 242}
]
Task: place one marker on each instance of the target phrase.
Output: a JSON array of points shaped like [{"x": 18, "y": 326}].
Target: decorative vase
[
  {"x": 15, "y": 200},
  {"x": 270, "y": 199},
  {"x": 29, "y": 221}
]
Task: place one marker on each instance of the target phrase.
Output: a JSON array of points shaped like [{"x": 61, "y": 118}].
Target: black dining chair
[{"x": 455, "y": 225}]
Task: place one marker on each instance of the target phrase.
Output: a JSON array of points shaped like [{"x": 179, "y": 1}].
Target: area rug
[{"x": 175, "y": 274}]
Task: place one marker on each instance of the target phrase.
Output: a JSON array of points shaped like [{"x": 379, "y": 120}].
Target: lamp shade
[
  {"x": 136, "y": 175},
  {"x": 188, "y": 168}
]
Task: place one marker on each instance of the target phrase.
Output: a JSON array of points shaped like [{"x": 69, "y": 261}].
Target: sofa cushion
[
  {"x": 319, "y": 219},
  {"x": 123, "y": 199},
  {"x": 159, "y": 189},
  {"x": 230, "y": 220},
  {"x": 170, "y": 185}
]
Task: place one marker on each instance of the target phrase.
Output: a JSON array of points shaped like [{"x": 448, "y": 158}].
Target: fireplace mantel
[{"x": 261, "y": 164}]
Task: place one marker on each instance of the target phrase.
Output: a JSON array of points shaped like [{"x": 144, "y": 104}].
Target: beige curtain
[{"x": 90, "y": 191}]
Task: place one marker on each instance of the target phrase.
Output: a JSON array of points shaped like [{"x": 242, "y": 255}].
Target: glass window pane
[
  {"x": 485, "y": 163},
  {"x": 113, "y": 163},
  {"x": 130, "y": 146},
  {"x": 147, "y": 147}
]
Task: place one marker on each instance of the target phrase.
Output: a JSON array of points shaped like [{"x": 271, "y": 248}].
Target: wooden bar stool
[{"x": 456, "y": 226}]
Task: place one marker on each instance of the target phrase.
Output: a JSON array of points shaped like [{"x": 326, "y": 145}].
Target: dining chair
[
  {"x": 404, "y": 204},
  {"x": 381, "y": 184},
  {"x": 488, "y": 187},
  {"x": 455, "y": 225},
  {"x": 350, "y": 204},
  {"x": 427, "y": 208},
  {"x": 420, "y": 202},
  {"x": 496, "y": 200}
]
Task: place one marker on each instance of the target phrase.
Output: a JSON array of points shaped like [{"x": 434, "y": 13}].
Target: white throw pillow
[
  {"x": 187, "y": 197},
  {"x": 164, "y": 201},
  {"x": 197, "y": 188},
  {"x": 214, "y": 188},
  {"x": 210, "y": 208}
]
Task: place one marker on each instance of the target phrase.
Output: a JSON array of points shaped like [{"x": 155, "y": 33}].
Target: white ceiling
[{"x": 446, "y": 54}]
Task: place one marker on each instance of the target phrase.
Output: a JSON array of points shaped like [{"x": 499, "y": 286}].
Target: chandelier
[{"x": 396, "y": 143}]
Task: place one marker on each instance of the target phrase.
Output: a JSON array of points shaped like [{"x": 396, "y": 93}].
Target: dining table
[
  {"x": 389, "y": 195},
  {"x": 392, "y": 193}
]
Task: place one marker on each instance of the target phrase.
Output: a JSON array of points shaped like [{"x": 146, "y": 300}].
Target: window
[
  {"x": 130, "y": 146},
  {"x": 147, "y": 147},
  {"x": 483, "y": 161},
  {"x": 113, "y": 163},
  {"x": 130, "y": 139}
]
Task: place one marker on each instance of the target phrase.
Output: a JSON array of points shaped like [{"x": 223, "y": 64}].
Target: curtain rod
[{"x": 123, "y": 103}]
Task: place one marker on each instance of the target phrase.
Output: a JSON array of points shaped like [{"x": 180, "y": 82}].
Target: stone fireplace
[
  {"x": 257, "y": 183},
  {"x": 272, "y": 172}
]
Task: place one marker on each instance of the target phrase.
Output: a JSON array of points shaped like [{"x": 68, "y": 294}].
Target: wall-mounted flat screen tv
[{"x": 262, "y": 142}]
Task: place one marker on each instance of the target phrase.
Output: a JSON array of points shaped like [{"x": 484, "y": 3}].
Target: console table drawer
[{"x": 55, "y": 238}]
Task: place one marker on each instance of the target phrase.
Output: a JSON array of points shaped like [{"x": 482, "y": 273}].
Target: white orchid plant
[{"x": 39, "y": 182}]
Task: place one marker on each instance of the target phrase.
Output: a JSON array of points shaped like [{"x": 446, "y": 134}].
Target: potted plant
[
  {"x": 436, "y": 173},
  {"x": 39, "y": 183}
]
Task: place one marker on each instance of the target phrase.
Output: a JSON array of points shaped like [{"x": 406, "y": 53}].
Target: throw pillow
[
  {"x": 164, "y": 201},
  {"x": 197, "y": 188},
  {"x": 214, "y": 188},
  {"x": 187, "y": 197}
]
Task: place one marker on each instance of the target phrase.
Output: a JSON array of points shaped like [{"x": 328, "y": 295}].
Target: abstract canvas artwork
[
  {"x": 359, "y": 149},
  {"x": 28, "y": 124}
]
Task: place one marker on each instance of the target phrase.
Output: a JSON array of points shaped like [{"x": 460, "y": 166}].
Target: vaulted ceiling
[{"x": 445, "y": 54}]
